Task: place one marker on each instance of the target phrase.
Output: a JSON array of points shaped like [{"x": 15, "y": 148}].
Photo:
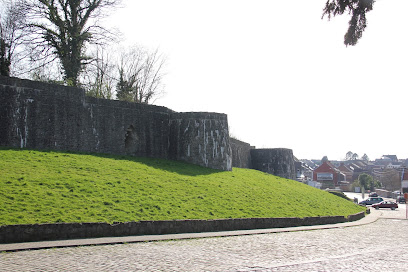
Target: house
[
  {"x": 404, "y": 182},
  {"x": 346, "y": 171},
  {"x": 386, "y": 159},
  {"x": 393, "y": 158},
  {"x": 358, "y": 167},
  {"x": 393, "y": 165},
  {"x": 328, "y": 175},
  {"x": 304, "y": 172}
]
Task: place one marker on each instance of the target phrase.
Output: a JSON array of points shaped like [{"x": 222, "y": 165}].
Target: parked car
[
  {"x": 373, "y": 194},
  {"x": 401, "y": 199},
  {"x": 371, "y": 201},
  {"x": 385, "y": 204}
]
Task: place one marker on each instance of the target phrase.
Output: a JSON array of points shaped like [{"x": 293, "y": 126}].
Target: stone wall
[
  {"x": 47, "y": 232},
  {"x": 46, "y": 116},
  {"x": 241, "y": 154},
  {"x": 53, "y": 117},
  {"x": 201, "y": 138},
  {"x": 275, "y": 161}
]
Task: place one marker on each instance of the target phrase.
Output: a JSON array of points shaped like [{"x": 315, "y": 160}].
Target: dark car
[
  {"x": 401, "y": 199},
  {"x": 385, "y": 204},
  {"x": 373, "y": 194},
  {"x": 371, "y": 201}
]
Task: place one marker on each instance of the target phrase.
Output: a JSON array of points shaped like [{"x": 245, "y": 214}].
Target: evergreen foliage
[
  {"x": 358, "y": 21},
  {"x": 4, "y": 60}
]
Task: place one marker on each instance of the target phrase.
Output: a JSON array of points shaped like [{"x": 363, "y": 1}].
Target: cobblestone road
[{"x": 380, "y": 246}]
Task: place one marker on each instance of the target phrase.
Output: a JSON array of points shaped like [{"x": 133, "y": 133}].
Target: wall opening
[{"x": 131, "y": 140}]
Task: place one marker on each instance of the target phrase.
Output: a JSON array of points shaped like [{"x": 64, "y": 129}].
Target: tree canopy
[
  {"x": 358, "y": 21},
  {"x": 350, "y": 156},
  {"x": 61, "y": 29},
  {"x": 64, "y": 42},
  {"x": 367, "y": 182}
]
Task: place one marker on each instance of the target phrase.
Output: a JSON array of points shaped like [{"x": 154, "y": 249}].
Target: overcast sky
[{"x": 281, "y": 73}]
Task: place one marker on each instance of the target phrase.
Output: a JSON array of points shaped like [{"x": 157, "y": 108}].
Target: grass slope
[{"x": 49, "y": 187}]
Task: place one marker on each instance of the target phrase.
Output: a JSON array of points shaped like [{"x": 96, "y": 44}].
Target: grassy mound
[{"x": 49, "y": 187}]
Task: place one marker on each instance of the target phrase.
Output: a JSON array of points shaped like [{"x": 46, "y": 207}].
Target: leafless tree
[
  {"x": 98, "y": 77},
  {"x": 62, "y": 29},
  {"x": 12, "y": 21},
  {"x": 140, "y": 75},
  {"x": 41, "y": 71},
  {"x": 390, "y": 179}
]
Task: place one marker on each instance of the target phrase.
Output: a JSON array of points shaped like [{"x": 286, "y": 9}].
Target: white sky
[{"x": 281, "y": 74}]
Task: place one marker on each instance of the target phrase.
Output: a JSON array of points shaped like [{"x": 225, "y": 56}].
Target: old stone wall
[
  {"x": 275, "y": 161},
  {"x": 201, "y": 138},
  {"x": 44, "y": 232},
  {"x": 241, "y": 154},
  {"x": 47, "y": 116}
]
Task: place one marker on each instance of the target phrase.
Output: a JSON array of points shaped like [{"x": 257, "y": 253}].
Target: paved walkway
[
  {"x": 379, "y": 246},
  {"x": 370, "y": 218}
]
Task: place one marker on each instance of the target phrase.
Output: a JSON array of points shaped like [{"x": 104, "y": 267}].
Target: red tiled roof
[{"x": 326, "y": 166}]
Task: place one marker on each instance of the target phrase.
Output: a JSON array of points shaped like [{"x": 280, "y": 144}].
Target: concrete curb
[{"x": 369, "y": 218}]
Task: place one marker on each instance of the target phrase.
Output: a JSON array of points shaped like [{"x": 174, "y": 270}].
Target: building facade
[{"x": 328, "y": 175}]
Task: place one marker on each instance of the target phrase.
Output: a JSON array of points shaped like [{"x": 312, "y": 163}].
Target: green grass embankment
[{"x": 50, "y": 187}]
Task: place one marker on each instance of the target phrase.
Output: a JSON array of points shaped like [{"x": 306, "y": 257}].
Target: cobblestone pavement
[{"x": 380, "y": 246}]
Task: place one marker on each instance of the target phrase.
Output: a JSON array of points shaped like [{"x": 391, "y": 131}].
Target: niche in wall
[{"x": 131, "y": 140}]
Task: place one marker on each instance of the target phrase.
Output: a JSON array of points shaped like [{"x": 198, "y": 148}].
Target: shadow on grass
[{"x": 173, "y": 166}]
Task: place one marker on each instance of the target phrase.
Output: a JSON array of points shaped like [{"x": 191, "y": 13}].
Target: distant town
[{"x": 388, "y": 173}]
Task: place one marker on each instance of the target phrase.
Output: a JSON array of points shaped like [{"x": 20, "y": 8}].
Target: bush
[{"x": 339, "y": 194}]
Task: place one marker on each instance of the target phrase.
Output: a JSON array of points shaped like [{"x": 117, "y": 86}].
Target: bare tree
[
  {"x": 12, "y": 20},
  {"x": 140, "y": 75},
  {"x": 390, "y": 179},
  {"x": 62, "y": 29},
  {"x": 99, "y": 79},
  {"x": 42, "y": 71}
]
